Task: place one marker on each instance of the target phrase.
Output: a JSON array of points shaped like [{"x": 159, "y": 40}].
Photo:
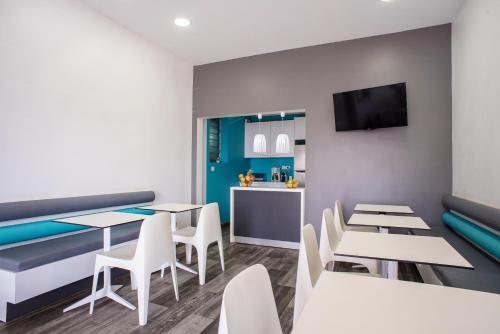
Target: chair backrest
[
  {"x": 328, "y": 239},
  {"x": 248, "y": 304},
  {"x": 309, "y": 269},
  {"x": 155, "y": 246},
  {"x": 208, "y": 228},
  {"x": 339, "y": 222}
]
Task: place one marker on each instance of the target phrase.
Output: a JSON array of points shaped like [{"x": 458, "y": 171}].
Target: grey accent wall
[{"x": 408, "y": 165}]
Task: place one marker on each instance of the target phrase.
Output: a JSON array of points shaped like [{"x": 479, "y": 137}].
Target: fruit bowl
[
  {"x": 246, "y": 180},
  {"x": 292, "y": 183},
  {"x": 246, "y": 184}
]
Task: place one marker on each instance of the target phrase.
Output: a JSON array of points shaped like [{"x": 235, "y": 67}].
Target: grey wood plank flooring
[{"x": 199, "y": 306}]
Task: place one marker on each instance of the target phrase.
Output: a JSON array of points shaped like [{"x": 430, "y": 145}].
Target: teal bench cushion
[
  {"x": 29, "y": 231},
  {"x": 138, "y": 211},
  {"x": 482, "y": 238}
]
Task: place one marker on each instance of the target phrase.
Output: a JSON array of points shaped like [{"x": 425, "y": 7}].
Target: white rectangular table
[
  {"x": 174, "y": 209},
  {"x": 384, "y": 222},
  {"x": 400, "y": 247},
  {"x": 104, "y": 221},
  {"x": 354, "y": 304},
  {"x": 383, "y": 208}
]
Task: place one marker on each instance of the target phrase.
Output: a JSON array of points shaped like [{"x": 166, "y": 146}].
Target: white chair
[
  {"x": 308, "y": 270},
  {"x": 329, "y": 240},
  {"x": 208, "y": 230},
  {"x": 339, "y": 217},
  {"x": 248, "y": 305},
  {"x": 153, "y": 250}
]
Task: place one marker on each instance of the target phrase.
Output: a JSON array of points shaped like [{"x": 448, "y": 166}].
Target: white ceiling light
[
  {"x": 259, "y": 141},
  {"x": 282, "y": 141},
  {"x": 182, "y": 22}
]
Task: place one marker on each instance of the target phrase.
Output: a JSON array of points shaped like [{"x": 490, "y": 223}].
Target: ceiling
[{"x": 227, "y": 29}]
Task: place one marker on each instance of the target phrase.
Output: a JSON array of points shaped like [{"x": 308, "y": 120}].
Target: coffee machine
[
  {"x": 285, "y": 172},
  {"x": 275, "y": 174}
]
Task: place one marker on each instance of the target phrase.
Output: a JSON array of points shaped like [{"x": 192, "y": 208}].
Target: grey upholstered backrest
[
  {"x": 46, "y": 207},
  {"x": 486, "y": 215}
]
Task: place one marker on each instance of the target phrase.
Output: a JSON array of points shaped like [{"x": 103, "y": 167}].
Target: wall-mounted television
[{"x": 371, "y": 108}]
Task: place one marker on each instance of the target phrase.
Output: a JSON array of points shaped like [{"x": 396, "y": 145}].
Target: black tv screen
[{"x": 371, "y": 108}]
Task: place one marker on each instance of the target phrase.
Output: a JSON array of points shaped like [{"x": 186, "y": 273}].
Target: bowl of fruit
[
  {"x": 292, "y": 183},
  {"x": 247, "y": 180}
]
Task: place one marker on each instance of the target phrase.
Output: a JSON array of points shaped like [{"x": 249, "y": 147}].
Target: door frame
[{"x": 201, "y": 154}]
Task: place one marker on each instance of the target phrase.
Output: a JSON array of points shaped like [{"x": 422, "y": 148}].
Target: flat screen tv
[{"x": 371, "y": 108}]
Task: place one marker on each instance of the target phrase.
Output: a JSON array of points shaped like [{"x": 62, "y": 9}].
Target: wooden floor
[{"x": 199, "y": 306}]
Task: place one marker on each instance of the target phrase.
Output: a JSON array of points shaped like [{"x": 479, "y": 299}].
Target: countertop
[{"x": 269, "y": 186}]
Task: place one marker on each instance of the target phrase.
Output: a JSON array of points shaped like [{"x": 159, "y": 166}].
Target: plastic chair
[
  {"x": 153, "y": 250},
  {"x": 309, "y": 269},
  {"x": 208, "y": 230},
  {"x": 339, "y": 217},
  {"x": 248, "y": 305},
  {"x": 329, "y": 240}
]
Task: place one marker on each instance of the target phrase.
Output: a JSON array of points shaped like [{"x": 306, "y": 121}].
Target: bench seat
[
  {"x": 29, "y": 256},
  {"x": 29, "y": 231},
  {"x": 486, "y": 273}
]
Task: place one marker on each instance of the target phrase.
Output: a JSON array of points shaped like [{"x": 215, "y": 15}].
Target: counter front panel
[{"x": 272, "y": 215}]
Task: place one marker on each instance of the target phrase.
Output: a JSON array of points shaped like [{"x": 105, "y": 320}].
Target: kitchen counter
[
  {"x": 266, "y": 186},
  {"x": 268, "y": 215}
]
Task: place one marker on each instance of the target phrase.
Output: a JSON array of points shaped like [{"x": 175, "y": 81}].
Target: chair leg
[
  {"x": 162, "y": 271},
  {"x": 189, "y": 252},
  {"x": 221, "y": 253},
  {"x": 330, "y": 266},
  {"x": 143, "y": 281},
  {"x": 94, "y": 287},
  {"x": 133, "y": 283},
  {"x": 173, "y": 269},
  {"x": 202, "y": 263}
]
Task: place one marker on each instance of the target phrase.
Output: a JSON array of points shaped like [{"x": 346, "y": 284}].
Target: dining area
[{"x": 374, "y": 300}]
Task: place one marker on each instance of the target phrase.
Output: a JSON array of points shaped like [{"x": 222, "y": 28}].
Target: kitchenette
[{"x": 259, "y": 176}]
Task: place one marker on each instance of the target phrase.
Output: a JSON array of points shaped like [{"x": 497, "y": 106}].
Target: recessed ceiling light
[
  {"x": 182, "y": 22},
  {"x": 386, "y": 0}
]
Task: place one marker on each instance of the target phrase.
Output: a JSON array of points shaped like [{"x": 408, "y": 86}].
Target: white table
[
  {"x": 174, "y": 209},
  {"x": 384, "y": 222},
  {"x": 104, "y": 221},
  {"x": 383, "y": 208},
  {"x": 354, "y": 304},
  {"x": 400, "y": 247}
]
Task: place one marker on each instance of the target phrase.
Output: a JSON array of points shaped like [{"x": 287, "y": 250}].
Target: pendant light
[
  {"x": 259, "y": 141},
  {"x": 282, "y": 141}
]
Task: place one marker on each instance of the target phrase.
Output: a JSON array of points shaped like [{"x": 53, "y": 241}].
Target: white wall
[
  {"x": 476, "y": 102},
  {"x": 87, "y": 107}
]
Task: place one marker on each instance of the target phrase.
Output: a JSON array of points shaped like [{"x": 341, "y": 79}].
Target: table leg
[
  {"x": 384, "y": 270},
  {"x": 392, "y": 270},
  {"x": 107, "y": 290},
  {"x": 178, "y": 264}
]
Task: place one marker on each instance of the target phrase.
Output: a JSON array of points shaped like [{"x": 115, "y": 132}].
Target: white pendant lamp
[
  {"x": 259, "y": 141},
  {"x": 282, "y": 141}
]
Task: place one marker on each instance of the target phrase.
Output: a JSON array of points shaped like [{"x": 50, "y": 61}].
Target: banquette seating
[
  {"x": 34, "y": 248},
  {"x": 474, "y": 231}
]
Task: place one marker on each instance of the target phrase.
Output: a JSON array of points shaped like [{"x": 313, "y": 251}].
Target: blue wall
[
  {"x": 264, "y": 165},
  {"x": 232, "y": 164}
]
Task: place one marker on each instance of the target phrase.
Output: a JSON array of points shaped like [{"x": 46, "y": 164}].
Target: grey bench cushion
[
  {"x": 33, "y": 255},
  {"x": 45, "y": 207},
  {"x": 486, "y": 273}
]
